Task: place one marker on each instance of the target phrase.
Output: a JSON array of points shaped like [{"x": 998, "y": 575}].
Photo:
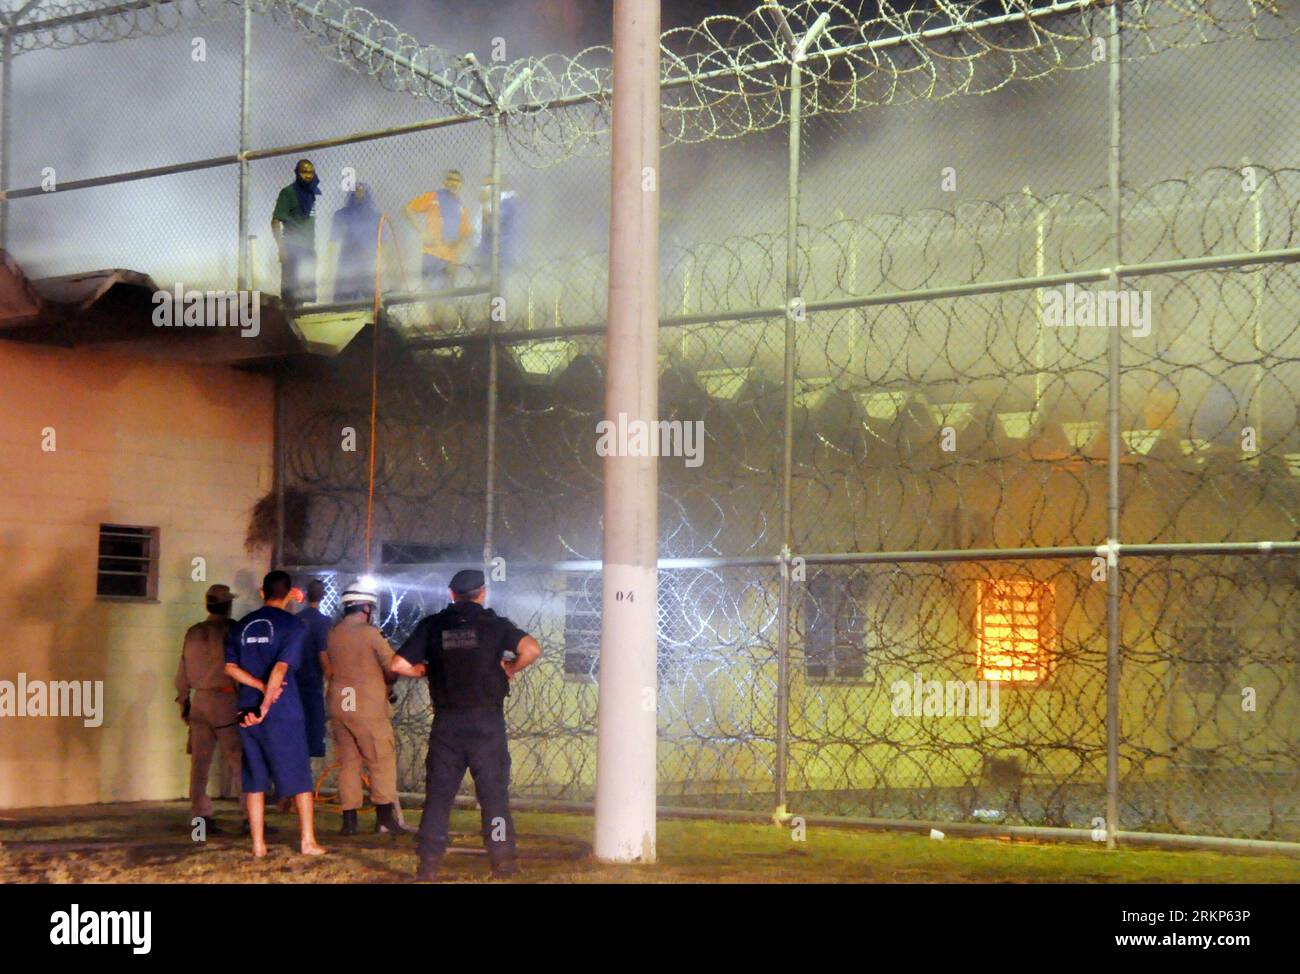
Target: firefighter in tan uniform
[
  {"x": 358, "y": 656},
  {"x": 207, "y": 699}
]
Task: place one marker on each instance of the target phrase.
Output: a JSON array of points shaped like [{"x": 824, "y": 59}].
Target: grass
[{"x": 150, "y": 843}]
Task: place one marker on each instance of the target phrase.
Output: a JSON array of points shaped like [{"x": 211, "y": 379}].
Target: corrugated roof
[
  {"x": 19, "y": 301},
  {"x": 84, "y": 290},
  {"x": 115, "y": 307}
]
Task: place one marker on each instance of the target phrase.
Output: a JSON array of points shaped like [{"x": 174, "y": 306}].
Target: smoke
[{"x": 112, "y": 108}]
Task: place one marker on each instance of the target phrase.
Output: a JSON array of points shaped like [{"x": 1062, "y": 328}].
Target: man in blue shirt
[
  {"x": 354, "y": 232},
  {"x": 510, "y": 229},
  {"x": 311, "y": 674},
  {"x": 263, "y": 650}
]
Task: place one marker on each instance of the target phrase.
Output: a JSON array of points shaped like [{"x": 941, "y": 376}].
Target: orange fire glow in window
[{"x": 1015, "y": 629}]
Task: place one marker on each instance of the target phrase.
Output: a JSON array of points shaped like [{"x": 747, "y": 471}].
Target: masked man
[
  {"x": 354, "y": 235},
  {"x": 293, "y": 224}
]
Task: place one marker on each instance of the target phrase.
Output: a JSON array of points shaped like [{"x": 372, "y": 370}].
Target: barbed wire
[
  {"x": 1016, "y": 236},
  {"x": 873, "y": 387},
  {"x": 1196, "y": 762},
  {"x": 54, "y": 25},
  {"x": 723, "y": 78}
]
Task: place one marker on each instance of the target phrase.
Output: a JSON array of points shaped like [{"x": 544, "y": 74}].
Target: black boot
[
  {"x": 210, "y": 826},
  {"x": 349, "y": 823},
  {"x": 503, "y": 867},
  {"x": 386, "y": 821},
  {"x": 502, "y": 857}
]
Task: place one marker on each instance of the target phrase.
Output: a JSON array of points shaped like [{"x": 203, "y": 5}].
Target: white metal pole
[{"x": 625, "y": 731}]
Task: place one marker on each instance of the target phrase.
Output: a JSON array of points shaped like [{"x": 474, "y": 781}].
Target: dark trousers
[
  {"x": 298, "y": 275},
  {"x": 313, "y": 715},
  {"x": 473, "y": 739}
]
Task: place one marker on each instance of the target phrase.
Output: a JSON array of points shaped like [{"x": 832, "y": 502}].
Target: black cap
[
  {"x": 218, "y": 595},
  {"x": 467, "y": 580}
]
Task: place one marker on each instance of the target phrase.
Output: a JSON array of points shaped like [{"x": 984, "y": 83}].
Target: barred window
[
  {"x": 683, "y": 602},
  {"x": 128, "y": 562},
  {"x": 419, "y": 553},
  {"x": 835, "y": 645},
  {"x": 1015, "y": 630},
  {"x": 1208, "y": 652},
  {"x": 582, "y": 602}
]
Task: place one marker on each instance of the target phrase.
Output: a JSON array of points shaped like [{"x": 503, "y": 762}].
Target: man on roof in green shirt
[{"x": 293, "y": 224}]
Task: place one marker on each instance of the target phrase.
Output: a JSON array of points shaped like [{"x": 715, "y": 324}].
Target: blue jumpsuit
[
  {"x": 311, "y": 679},
  {"x": 277, "y": 747},
  {"x": 355, "y": 228},
  {"x": 510, "y": 233}
]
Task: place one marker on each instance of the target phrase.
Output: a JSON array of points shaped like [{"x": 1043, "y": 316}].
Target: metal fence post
[
  {"x": 6, "y": 121},
  {"x": 1257, "y": 291},
  {"x": 1114, "y": 351},
  {"x": 495, "y": 300},
  {"x": 1040, "y": 268},
  {"x": 787, "y": 529},
  {"x": 245, "y": 139}
]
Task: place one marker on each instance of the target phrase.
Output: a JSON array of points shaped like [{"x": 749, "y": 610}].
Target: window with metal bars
[
  {"x": 1015, "y": 629},
  {"x": 684, "y": 601},
  {"x": 128, "y": 562},
  {"x": 420, "y": 553},
  {"x": 582, "y": 601},
  {"x": 834, "y": 639},
  {"x": 1208, "y": 654}
]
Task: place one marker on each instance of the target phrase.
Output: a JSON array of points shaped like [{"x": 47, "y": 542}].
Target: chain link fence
[{"x": 1004, "y": 570}]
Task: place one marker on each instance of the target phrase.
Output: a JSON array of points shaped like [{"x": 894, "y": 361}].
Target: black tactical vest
[{"x": 466, "y": 644}]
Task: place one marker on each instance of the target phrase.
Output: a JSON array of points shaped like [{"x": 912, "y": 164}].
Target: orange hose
[
  {"x": 374, "y": 375},
  {"x": 318, "y": 799}
]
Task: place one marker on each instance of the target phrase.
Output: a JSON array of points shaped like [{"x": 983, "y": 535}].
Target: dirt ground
[{"x": 151, "y": 843}]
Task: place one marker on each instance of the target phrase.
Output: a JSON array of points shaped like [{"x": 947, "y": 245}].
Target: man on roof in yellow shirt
[{"x": 445, "y": 230}]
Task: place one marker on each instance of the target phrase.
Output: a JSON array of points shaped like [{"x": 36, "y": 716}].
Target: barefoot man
[{"x": 262, "y": 652}]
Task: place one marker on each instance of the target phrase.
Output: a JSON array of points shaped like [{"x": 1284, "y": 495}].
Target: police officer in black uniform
[{"x": 469, "y": 654}]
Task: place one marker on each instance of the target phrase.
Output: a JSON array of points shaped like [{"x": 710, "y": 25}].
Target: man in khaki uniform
[
  {"x": 358, "y": 656},
  {"x": 211, "y": 712}
]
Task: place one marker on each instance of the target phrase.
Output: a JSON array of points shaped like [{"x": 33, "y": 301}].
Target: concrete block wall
[{"x": 184, "y": 448}]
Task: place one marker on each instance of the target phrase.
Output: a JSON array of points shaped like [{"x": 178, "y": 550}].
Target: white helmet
[{"x": 359, "y": 593}]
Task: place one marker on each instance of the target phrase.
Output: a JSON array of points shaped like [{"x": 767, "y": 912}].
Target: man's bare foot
[
  {"x": 259, "y": 849},
  {"x": 312, "y": 849}
]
